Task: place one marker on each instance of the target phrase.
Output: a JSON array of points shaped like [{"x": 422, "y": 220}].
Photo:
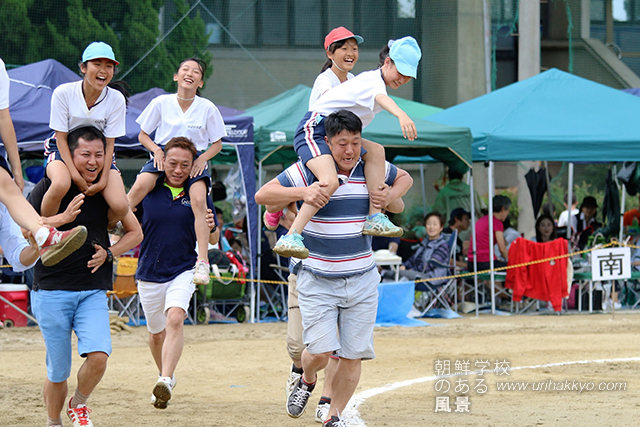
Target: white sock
[{"x": 41, "y": 236}]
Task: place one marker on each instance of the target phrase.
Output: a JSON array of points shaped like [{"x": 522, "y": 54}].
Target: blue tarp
[
  {"x": 395, "y": 301},
  {"x": 552, "y": 116}
]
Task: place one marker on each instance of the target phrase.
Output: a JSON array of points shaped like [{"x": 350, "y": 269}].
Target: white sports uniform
[
  {"x": 4, "y": 87},
  {"x": 202, "y": 123},
  {"x": 357, "y": 95},
  {"x": 325, "y": 81},
  {"x": 69, "y": 110}
]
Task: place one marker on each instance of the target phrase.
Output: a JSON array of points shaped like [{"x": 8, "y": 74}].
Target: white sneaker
[
  {"x": 292, "y": 381},
  {"x": 162, "y": 392},
  {"x": 79, "y": 416},
  {"x": 172, "y": 384},
  {"x": 201, "y": 276},
  {"x": 322, "y": 411}
]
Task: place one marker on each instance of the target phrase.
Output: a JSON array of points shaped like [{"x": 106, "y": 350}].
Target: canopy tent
[
  {"x": 276, "y": 120},
  {"x": 30, "y": 104},
  {"x": 552, "y": 116}
]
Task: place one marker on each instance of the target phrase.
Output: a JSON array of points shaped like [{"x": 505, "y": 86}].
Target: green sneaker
[
  {"x": 291, "y": 245},
  {"x": 379, "y": 225}
]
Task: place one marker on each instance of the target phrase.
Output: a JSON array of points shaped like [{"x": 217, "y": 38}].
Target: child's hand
[
  {"x": 80, "y": 182},
  {"x": 408, "y": 127},
  {"x": 198, "y": 167},
  {"x": 73, "y": 209},
  {"x": 95, "y": 188},
  {"x": 158, "y": 159}
]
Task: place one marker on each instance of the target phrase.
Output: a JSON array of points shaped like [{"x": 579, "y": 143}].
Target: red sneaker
[
  {"x": 271, "y": 220},
  {"x": 79, "y": 416},
  {"x": 60, "y": 244}
]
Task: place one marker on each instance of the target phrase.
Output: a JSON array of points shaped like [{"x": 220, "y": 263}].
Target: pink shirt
[{"x": 482, "y": 232}]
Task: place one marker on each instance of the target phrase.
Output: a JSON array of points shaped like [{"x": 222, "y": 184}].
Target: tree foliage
[{"x": 32, "y": 31}]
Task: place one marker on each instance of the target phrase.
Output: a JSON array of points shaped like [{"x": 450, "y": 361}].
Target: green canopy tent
[{"x": 276, "y": 120}]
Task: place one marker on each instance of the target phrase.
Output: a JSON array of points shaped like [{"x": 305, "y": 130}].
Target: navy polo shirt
[{"x": 168, "y": 247}]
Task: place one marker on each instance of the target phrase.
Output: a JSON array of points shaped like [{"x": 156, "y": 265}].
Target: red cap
[{"x": 340, "y": 33}]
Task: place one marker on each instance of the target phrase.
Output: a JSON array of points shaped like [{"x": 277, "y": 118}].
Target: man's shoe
[
  {"x": 299, "y": 397},
  {"x": 322, "y": 410},
  {"x": 379, "y": 225},
  {"x": 61, "y": 244},
  {"x": 271, "y": 220},
  {"x": 79, "y": 416},
  {"x": 291, "y": 381},
  {"x": 335, "y": 421},
  {"x": 291, "y": 245},
  {"x": 201, "y": 276},
  {"x": 162, "y": 392},
  {"x": 172, "y": 384}
]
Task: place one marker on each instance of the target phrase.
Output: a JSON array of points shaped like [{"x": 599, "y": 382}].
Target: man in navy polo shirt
[
  {"x": 338, "y": 283},
  {"x": 166, "y": 265}
]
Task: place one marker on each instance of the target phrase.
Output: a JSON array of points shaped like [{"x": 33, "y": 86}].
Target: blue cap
[
  {"x": 98, "y": 50},
  {"x": 406, "y": 54}
]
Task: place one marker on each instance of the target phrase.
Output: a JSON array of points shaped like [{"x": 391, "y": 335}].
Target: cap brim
[
  {"x": 359, "y": 40},
  {"x": 406, "y": 70},
  {"x": 102, "y": 57}
]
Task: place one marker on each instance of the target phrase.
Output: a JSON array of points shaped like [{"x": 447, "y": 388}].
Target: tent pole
[
  {"x": 424, "y": 192},
  {"x": 490, "y": 214},
  {"x": 486, "y": 13},
  {"x": 255, "y": 306},
  {"x": 621, "y": 189},
  {"x": 569, "y": 204},
  {"x": 546, "y": 173},
  {"x": 473, "y": 234}
]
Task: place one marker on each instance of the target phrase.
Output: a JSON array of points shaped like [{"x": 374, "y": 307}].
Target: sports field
[{"x": 551, "y": 370}]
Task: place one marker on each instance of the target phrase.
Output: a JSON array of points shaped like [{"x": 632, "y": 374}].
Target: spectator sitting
[
  {"x": 563, "y": 219},
  {"x": 459, "y": 221},
  {"x": 433, "y": 248},
  {"x": 545, "y": 229},
  {"x": 585, "y": 223},
  {"x": 501, "y": 206}
]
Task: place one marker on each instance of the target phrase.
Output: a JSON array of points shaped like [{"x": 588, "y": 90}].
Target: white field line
[{"x": 352, "y": 417}]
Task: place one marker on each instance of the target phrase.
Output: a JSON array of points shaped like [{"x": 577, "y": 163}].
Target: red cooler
[{"x": 18, "y": 295}]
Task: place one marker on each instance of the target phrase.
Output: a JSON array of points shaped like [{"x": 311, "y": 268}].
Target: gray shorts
[{"x": 339, "y": 304}]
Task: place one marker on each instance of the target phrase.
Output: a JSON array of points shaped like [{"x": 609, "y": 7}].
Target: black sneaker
[
  {"x": 299, "y": 397},
  {"x": 335, "y": 421}
]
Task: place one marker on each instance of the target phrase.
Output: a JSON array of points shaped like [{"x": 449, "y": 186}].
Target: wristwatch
[{"x": 109, "y": 255}]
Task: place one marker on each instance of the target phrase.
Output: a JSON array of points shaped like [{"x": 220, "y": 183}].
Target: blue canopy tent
[
  {"x": 553, "y": 116},
  {"x": 31, "y": 87}
]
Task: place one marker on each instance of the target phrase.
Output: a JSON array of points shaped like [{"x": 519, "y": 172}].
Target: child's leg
[
  {"x": 323, "y": 167},
  {"x": 374, "y": 168},
  {"x": 19, "y": 208},
  {"x": 145, "y": 182},
  {"x": 116, "y": 197},
  {"x": 198, "y": 196},
  {"x": 60, "y": 183}
]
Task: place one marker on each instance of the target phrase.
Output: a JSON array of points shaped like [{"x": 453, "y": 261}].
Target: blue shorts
[
  {"x": 150, "y": 167},
  {"x": 309, "y": 138},
  {"x": 347, "y": 305},
  {"x": 60, "y": 312},
  {"x": 51, "y": 153},
  {"x": 4, "y": 165}
]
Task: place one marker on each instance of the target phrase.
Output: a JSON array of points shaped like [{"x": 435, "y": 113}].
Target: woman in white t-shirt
[
  {"x": 186, "y": 114},
  {"x": 89, "y": 102},
  {"x": 365, "y": 95}
]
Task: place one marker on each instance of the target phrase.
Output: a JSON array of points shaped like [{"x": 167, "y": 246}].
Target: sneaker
[
  {"x": 379, "y": 225},
  {"x": 335, "y": 421},
  {"x": 172, "y": 384},
  {"x": 322, "y": 410},
  {"x": 61, "y": 244},
  {"x": 201, "y": 276},
  {"x": 291, "y": 245},
  {"x": 291, "y": 381},
  {"x": 162, "y": 392},
  {"x": 271, "y": 220},
  {"x": 79, "y": 416},
  {"x": 299, "y": 397}
]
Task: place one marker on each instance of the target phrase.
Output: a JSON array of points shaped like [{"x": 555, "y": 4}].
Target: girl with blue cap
[
  {"x": 365, "y": 95},
  {"x": 88, "y": 102}
]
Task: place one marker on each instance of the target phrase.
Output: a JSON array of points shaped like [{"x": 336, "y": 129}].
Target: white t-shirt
[
  {"x": 357, "y": 95},
  {"x": 202, "y": 123},
  {"x": 563, "y": 219},
  {"x": 325, "y": 81},
  {"x": 4, "y": 87},
  {"x": 69, "y": 110}
]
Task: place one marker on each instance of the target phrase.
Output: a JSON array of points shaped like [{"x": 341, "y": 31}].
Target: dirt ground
[{"x": 234, "y": 375}]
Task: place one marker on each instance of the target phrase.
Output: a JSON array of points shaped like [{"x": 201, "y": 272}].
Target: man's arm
[
  {"x": 132, "y": 236},
  {"x": 390, "y": 197},
  {"x": 274, "y": 194}
]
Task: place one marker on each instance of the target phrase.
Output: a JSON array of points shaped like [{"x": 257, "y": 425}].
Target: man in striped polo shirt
[{"x": 338, "y": 282}]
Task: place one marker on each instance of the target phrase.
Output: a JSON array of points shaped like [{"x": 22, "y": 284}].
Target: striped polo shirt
[{"x": 334, "y": 237}]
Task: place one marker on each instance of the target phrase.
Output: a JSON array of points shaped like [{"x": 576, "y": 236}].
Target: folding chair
[
  {"x": 124, "y": 298},
  {"x": 428, "y": 294}
]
